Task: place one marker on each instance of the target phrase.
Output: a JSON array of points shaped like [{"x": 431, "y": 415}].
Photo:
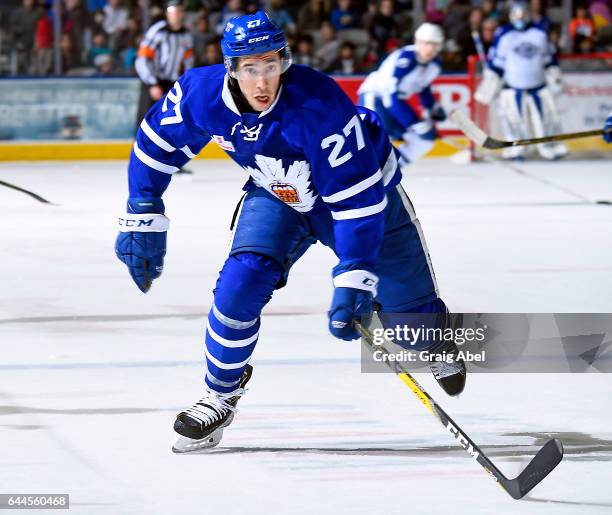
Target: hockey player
[
  {"x": 522, "y": 68},
  {"x": 608, "y": 126},
  {"x": 407, "y": 71},
  {"x": 320, "y": 169}
]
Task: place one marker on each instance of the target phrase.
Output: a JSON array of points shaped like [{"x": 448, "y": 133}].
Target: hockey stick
[
  {"x": 547, "y": 458},
  {"x": 482, "y": 139},
  {"x": 27, "y": 192}
]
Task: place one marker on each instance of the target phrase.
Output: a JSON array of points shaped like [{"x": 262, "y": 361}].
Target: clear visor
[{"x": 266, "y": 66}]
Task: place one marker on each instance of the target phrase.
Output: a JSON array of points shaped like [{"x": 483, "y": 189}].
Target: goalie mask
[{"x": 519, "y": 15}]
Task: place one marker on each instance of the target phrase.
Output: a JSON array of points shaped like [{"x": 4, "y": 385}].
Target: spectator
[
  {"x": 95, "y": 5},
  {"x": 212, "y": 53},
  {"x": 115, "y": 21},
  {"x": 581, "y": 25},
  {"x": 368, "y": 16},
  {"x": 472, "y": 42},
  {"x": 452, "y": 57},
  {"x": 22, "y": 28},
  {"x": 456, "y": 25},
  {"x": 99, "y": 45},
  {"x": 489, "y": 10},
  {"x": 383, "y": 25},
  {"x": 555, "y": 36},
  {"x": 280, "y": 16},
  {"x": 312, "y": 14},
  {"x": 583, "y": 45},
  {"x": 231, "y": 9},
  {"x": 251, "y": 7},
  {"x": 128, "y": 55},
  {"x": 128, "y": 35},
  {"x": 538, "y": 15},
  {"x": 104, "y": 65},
  {"x": 304, "y": 53},
  {"x": 201, "y": 37},
  {"x": 344, "y": 16},
  {"x": 71, "y": 56},
  {"x": 329, "y": 46},
  {"x": 76, "y": 23},
  {"x": 346, "y": 63},
  {"x": 489, "y": 26},
  {"x": 43, "y": 44}
]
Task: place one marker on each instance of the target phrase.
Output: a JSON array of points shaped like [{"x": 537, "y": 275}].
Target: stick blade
[
  {"x": 468, "y": 127},
  {"x": 542, "y": 464}
]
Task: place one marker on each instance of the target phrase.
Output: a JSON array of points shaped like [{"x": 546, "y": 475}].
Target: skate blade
[{"x": 184, "y": 445}]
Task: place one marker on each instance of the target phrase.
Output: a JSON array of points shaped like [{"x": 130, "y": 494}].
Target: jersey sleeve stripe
[
  {"x": 152, "y": 163},
  {"x": 354, "y": 190},
  {"x": 155, "y": 138},
  {"x": 390, "y": 167},
  {"x": 232, "y": 344},
  {"x": 187, "y": 151},
  {"x": 360, "y": 212}
]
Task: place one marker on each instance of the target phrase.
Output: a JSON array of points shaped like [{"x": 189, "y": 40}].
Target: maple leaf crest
[{"x": 271, "y": 171}]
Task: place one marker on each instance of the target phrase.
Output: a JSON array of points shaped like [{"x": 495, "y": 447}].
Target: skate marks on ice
[
  {"x": 577, "y": 447},
  {"x": 294, "y": 311}
]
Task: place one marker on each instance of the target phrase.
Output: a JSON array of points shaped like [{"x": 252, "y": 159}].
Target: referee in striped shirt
[{"x": 165, "y": 53}]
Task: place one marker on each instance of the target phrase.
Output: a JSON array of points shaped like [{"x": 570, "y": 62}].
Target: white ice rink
[{"x": 92, "y": 372}]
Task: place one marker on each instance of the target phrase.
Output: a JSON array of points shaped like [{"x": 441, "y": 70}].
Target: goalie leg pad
[
  {"x": 511, "y": 114},
  {"x": 544, "y": 100}
]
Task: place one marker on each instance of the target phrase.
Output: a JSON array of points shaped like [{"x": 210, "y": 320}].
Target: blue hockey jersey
[{"x": 312, "y": 149}]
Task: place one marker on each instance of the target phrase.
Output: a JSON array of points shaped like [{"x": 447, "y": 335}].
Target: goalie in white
[{"x": 522, "y": 70}]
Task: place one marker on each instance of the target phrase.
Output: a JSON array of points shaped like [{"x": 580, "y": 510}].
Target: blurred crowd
[{"x": 101, "y": 37}]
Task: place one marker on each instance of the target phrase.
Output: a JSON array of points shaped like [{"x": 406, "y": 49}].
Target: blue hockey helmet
[
  {"x": 253, "y": 34},
  {"x": 519, "y": 15}
]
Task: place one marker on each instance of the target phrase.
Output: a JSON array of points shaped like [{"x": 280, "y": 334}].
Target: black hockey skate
[
  {"x": 201, "y": 426},
  {"x": 448, "y": 369}
]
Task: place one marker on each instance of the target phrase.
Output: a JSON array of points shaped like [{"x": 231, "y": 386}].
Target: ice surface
[{"x": 92, "y": 372}]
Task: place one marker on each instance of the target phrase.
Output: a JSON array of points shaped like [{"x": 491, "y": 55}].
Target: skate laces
[
  {"x": 214, "y": 405},
  {"x": 442, "y": 369}
]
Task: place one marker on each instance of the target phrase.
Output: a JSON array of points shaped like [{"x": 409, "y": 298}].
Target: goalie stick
[
  {"x": 547, "y": 458},
  {"x": 482, "y": 139}
]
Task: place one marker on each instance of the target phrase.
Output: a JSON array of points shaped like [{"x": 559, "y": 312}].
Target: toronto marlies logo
[
  {"x": 526, "y": 50},
  {"x": 292, "y": 185},
  {"x": 250, "y": 133}
]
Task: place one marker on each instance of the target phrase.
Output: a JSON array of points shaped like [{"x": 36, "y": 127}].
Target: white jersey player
[
  {"x": 407, "y": 71},
  {"x": 522, "y": 68}
]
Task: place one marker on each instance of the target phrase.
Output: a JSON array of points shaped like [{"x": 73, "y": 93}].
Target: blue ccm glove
[
  {"x": 141, "y": 243},
  {"x": 354, "y": 292},
  {"x": 608, "y": 126}
]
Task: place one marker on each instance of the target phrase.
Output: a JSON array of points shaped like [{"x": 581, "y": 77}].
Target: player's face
[
  {"x": 426, "y": 50},
  {"x": 259, "y": 77}
]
